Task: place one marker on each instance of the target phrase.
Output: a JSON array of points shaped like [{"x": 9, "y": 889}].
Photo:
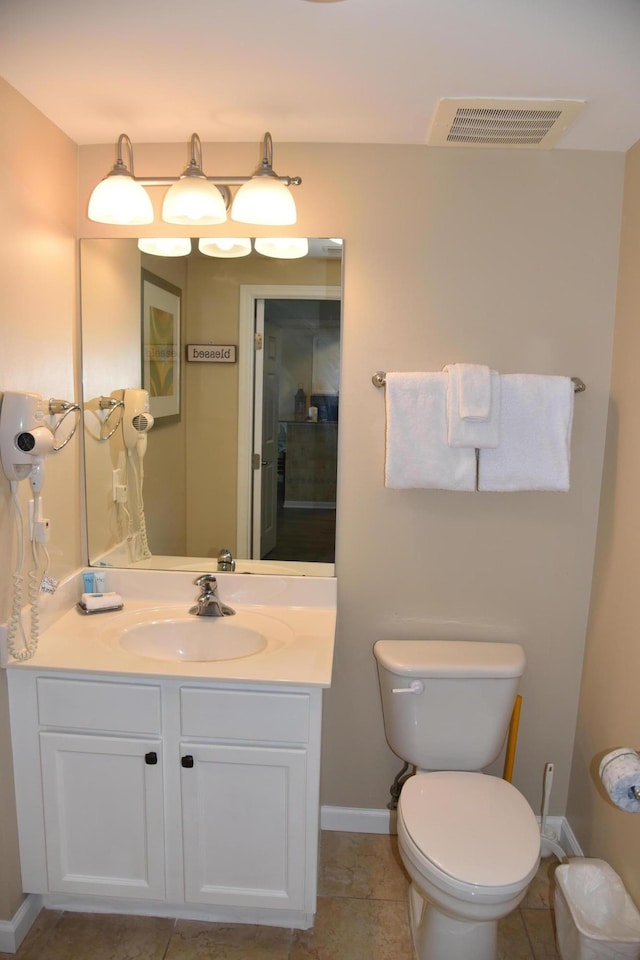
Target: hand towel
[
  {"x": 474, "y": 390},
  {"x": 417, "y": 452},
  {"x": 467, "y": 431},
  {"x": 534, "y": 453}
]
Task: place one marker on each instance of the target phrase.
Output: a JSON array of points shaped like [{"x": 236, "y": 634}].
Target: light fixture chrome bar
[
  {"x": 194, "y": 167},
  {"x": 230, "y": 181}
]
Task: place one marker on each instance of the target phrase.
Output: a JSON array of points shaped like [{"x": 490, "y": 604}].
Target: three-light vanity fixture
[{"x": 194, "y": 199}]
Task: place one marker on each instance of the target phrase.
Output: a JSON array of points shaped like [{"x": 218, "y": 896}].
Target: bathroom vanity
[{"x": 181, "y": 788}]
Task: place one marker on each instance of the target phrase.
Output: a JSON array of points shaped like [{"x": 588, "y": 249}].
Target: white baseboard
[
  {"x": 357, "y": 820},
  {"x": 13, "y": 932},
  {"x": 371, "y": 820},
  {"x": 568, "y": 839}
]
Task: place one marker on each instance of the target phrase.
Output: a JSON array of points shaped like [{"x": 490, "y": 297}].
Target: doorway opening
[{"x": 295, "y": 348}]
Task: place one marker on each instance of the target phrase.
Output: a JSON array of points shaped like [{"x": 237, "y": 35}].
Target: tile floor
[{"x": 361, "y": 915}]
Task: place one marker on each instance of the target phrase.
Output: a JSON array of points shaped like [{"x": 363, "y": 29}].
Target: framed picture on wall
[{"x": 161, "y": 306}]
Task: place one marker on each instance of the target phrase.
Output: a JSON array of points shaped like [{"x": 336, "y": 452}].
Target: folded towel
[
  {"x": 467, "y": 431},
  {"x": 92, "y": 602},
  {"x": 474, "y": 390},
  {"x": 417, "y": 453},
  {"x": 534, "y": 453}
]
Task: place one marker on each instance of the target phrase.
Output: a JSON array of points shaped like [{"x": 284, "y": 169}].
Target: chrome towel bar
[{"x": 380, "y": 378}]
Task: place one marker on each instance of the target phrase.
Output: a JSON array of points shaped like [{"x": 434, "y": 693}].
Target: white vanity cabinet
[{"x": 190, "y": 797}]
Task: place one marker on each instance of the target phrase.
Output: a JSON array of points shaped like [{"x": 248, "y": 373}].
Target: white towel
[
  {"x": 101, "y": 601},
  {"x": 467, "y": 380},
  {"x": 534, "y": 451},
  {"x": 474, "y": 390},
  {"x": 418, "y": 454}
]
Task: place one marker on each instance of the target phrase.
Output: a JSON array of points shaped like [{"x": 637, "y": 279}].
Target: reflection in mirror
[{"x": 211, "y": 398}]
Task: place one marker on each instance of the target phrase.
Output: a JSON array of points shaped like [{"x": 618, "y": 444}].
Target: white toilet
[{"x": 470, "y": 842}]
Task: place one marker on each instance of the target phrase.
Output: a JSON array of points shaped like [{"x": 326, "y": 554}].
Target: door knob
[{"x": 187, "y": 761}]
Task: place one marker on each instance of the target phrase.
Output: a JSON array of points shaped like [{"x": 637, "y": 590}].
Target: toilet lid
[{"x": 475, "y": 828}]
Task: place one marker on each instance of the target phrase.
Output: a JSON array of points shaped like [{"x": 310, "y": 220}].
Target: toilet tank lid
[{"x": 450, "y": 658}]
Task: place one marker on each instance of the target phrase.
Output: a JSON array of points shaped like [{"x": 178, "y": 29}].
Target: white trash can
[{"x": 596, "y": 918}]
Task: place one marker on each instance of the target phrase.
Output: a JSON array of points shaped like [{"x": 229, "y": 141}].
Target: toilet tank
[{"x": 458, "y": 715}]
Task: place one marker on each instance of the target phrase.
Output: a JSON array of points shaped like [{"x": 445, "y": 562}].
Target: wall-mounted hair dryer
[
  {"x": 136, "y": 420},
  {"x": 25, "y": 439}
]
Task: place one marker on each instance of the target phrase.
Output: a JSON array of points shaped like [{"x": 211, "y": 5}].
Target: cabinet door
[
  {"x": 104, "y": 817},
  {"x": 244, "y": 825}
]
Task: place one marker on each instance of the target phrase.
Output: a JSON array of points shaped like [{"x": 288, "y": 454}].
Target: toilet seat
[{"x": 470, "y": 829}]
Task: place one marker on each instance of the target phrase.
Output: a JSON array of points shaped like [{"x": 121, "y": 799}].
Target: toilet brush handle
[{"x": 416, "y": 686}]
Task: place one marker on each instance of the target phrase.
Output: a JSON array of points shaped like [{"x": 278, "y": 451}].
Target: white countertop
[{"x": 300, "y": 651}]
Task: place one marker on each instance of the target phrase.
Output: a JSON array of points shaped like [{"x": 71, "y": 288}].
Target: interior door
[{"x": 265, "y": 444}]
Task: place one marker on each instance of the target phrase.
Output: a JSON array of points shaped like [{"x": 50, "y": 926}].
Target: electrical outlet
[
  {"x": 41, "y": 530},
  {"x": 38, "y": 526}
]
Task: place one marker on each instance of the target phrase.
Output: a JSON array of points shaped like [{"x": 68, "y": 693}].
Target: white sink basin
[{"x": 193, "y": 638}]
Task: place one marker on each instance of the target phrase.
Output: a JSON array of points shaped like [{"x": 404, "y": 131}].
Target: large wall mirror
[{"x": 211, "y": 397}]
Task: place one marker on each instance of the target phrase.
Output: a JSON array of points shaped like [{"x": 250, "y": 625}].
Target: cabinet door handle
[
  {"x": 151, "y": 758},
  {"x": 187, "y": 761}
]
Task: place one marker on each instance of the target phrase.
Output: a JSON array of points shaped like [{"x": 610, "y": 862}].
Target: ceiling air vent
[{"x": 532, "y": 124}]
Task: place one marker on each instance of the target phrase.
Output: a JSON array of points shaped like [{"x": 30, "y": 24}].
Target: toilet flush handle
[{"x": 416, "y": 686}]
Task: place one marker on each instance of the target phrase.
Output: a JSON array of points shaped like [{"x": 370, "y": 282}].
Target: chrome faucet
[
  {"x": 226, "y": 563},
  {"x": 209, "y": 604}
]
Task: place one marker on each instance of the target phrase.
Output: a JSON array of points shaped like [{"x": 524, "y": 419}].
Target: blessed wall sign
[{"x": 211, "y": 353}]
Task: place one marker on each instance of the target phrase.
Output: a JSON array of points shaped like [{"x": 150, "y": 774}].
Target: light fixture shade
[
  {"x": 195, "y": 202},
  {"x": 283, "y": 248},
  {"x": 225, "y": 246},
  {"x": 265, "y": 201},
  {"x": 119, "y": 199},
  {"x": 165, "y": 246}
]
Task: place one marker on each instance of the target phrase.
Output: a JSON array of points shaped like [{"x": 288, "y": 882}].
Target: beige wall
[
  {"x": 609, "y": 702},
  {"x": 500, "y": 257},
  {"x": 38, "y": 166}
]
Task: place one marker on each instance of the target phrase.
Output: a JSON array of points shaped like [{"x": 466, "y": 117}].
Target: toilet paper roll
[{"x": 620, "y": 775}]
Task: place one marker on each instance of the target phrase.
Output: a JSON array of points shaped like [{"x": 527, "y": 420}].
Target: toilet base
[{"x": 437, "y": 936}]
